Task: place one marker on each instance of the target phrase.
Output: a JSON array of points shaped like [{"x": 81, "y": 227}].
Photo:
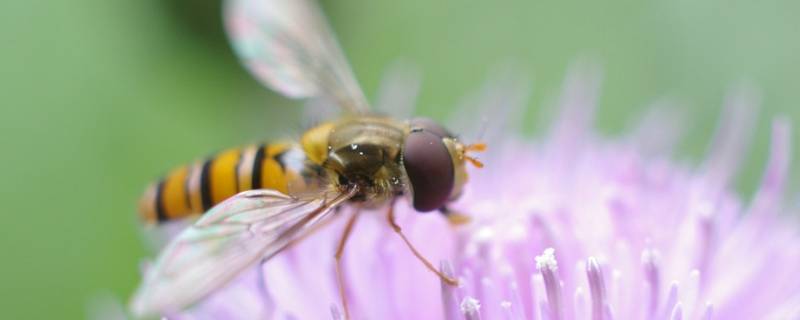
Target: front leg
[
  {"x": 399, "y": 231},
  {"x": 338, "y": 256}
]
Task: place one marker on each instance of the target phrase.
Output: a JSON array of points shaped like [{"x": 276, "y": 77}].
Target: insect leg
[
  {"x": 399, "y": 231},
  {"x": 339, "y": 252}
]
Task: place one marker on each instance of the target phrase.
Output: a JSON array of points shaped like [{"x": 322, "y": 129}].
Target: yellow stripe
[
  {"x": 277, "y": 148},
  {"x": 315, "y": 142},
  {"x": 174, "y": 194},
  {"x": 272, "y": 176},
  {"x": 223, "y": 176}
]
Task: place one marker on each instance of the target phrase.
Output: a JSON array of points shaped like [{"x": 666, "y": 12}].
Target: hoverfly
[{"x": 260, "y": 199}]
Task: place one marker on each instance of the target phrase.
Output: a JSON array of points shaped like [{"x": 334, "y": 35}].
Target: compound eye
[
  {"x": 429, "y": 125},
  {"x": 430, "y": 170}
]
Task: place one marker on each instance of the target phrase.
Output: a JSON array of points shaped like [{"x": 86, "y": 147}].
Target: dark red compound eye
[
  {"x": 429, "y": 168},
  {"x": 431, "y": 126}
]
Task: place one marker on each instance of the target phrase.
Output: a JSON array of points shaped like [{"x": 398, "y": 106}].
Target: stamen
[
  {"x": 733, "y": 133},
  {"x": 546, "y": 314},
  {"x": 507, "y": 311},
  {"x": 708, "y": 314},
  {"x": 672, "y": 299},
  {"x": 547, "y": 266},
  {"x": 547, "y": 261},
  {"x": 708, "y": 230},
  {"x": 607, "y": 312},
  {"x": 677, "y": 312},
  {"x": 651, "y": 276},
  {"x": 335, "y": 313},
  {"x": 691, "y": 291},
  {"x": 773, "y": 181},
  {"x": 537, "y": 291},
  {"x": 580, "y": 303},
  {"x": 489, "y": 295},
  {"x": 518, "y": 308},
  {"x": 470, "y": 307},
  {"x": 615, "y": 290},
  {"x": 597, "y": 288},
  {"x": 448, "y": 292}
]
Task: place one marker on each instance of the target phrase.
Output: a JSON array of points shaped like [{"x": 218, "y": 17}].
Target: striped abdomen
[{"x": 194, "y": 189}]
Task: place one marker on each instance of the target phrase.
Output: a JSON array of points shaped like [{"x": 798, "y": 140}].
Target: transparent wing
[
  {"x": 230, "y": 237},
  {"x": 288, "y": 46},
  {"x": 398, "y": 90}
]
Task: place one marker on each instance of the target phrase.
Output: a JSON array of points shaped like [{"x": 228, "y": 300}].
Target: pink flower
[{"x": 575, "y": 226}]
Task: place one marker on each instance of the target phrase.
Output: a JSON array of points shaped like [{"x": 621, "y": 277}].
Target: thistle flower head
[{"x": 575, "y": 226}]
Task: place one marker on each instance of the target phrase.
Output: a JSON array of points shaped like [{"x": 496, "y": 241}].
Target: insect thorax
[{"x": 363, "y": 151}]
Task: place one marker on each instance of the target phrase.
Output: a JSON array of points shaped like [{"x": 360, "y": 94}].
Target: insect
[{"x": 258, "y": 200}]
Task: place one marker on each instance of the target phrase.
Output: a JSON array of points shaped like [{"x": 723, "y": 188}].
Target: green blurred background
[{"x": 100, "y": 97}]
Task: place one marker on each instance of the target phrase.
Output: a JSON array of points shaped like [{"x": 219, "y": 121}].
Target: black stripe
[
  {"x": 161, "y": 214},
  {"x": 205, "y": 185},
  {"x": 258, "y": 162}
]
